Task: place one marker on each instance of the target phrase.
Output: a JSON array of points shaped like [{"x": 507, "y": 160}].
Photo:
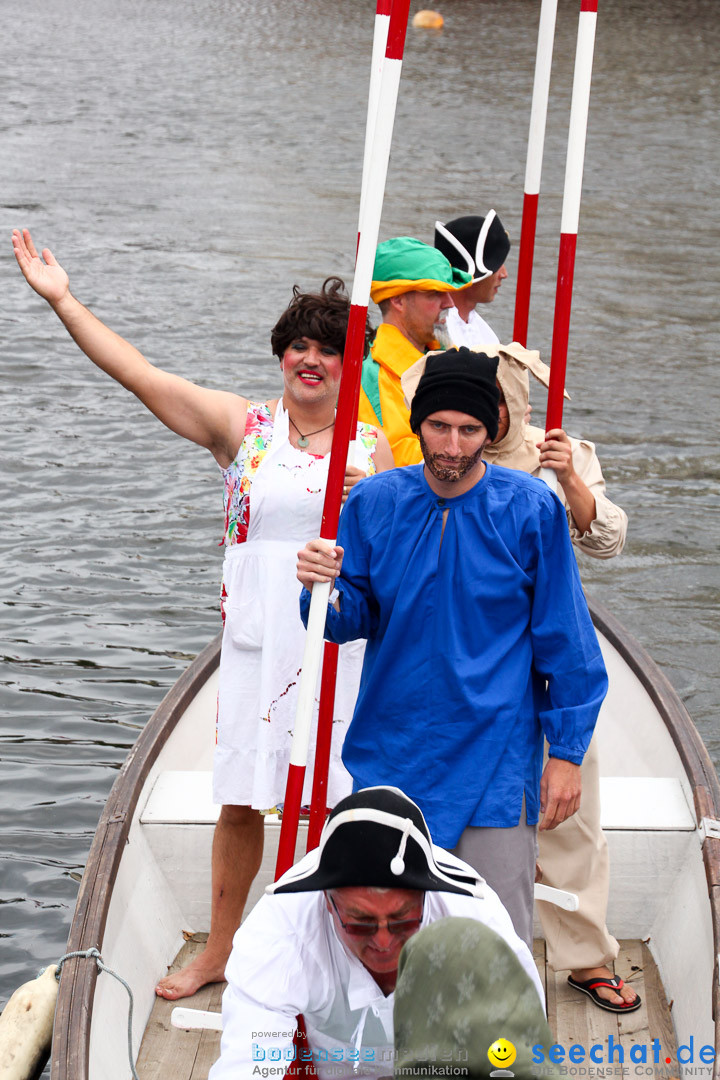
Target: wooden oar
[
  {"x": 533, "y": 167},
  {"x": 345, "y": 418},
  {"x": 570, "y": 217}
]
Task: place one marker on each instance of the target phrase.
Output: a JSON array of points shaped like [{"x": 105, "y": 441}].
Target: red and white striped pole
[
  {"x": 345, "y": 418},
  {"x": 323, "y": 741},
  {"x": 571, "y": 209},
  {"x": 380, "y": 37},
  {"x": 533, "y": 167},
  {"x": 383, "y": 15}
]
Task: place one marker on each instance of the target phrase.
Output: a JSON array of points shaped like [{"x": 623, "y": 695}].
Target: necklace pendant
[{"x": 303, "y": 441}]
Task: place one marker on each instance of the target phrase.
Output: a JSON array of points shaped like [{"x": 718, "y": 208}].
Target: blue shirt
[{"x": 477, "y": 644}]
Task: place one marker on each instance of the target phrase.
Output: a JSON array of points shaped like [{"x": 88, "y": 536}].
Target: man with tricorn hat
[
  {"x": 326, "y": 942},
  {"x": 461, "y": 576},
  {"x": 479, "y": 246}
]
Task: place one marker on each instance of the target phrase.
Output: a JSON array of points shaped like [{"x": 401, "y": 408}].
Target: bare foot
[
  {"x": 625, "y": 995},
  {"x": 202, "y": 970}
]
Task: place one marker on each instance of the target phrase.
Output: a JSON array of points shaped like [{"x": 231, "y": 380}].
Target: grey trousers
[{"x": 506, "y": 859}]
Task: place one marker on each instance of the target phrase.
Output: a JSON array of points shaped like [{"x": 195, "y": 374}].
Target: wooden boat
[{"x": 145, "y": 890}]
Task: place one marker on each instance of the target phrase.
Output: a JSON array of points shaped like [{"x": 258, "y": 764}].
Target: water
[{"x": 188, "y": 163}]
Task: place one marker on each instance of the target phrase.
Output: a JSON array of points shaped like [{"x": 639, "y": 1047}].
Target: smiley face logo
[{"x": 502, "y": 1053}]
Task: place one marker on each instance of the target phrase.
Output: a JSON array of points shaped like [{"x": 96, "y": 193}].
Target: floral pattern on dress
[
  {"x": 367, "y": 435},
  {"x": 238, "y": 480},
  {"x": 239, "y": 474}
]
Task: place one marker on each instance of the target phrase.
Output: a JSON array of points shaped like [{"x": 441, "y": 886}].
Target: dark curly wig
[{"x": 320, "y": 316}]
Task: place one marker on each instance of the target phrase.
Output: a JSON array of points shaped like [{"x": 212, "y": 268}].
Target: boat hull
[{"x": 147, "y": 876}]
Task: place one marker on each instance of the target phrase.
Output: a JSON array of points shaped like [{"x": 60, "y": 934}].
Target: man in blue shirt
[{"x": 461, "y": 576}]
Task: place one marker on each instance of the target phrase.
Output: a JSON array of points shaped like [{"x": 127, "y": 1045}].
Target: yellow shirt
[{"x": 393, "y": 355}]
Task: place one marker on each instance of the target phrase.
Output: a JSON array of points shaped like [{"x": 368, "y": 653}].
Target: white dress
[{"x": 263, "y": 638}]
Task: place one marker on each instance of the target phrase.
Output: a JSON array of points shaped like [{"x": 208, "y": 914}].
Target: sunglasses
[{"x": 369, "y": 929}]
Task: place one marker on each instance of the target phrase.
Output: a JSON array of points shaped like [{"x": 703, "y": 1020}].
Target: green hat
[
  {"x": 404, "y": 265},
  {"x": 461, "y": 991}
]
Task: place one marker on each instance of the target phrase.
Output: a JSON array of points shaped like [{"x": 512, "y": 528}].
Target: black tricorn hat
[
  {"x": 378, "y": 838},
  {"x": 478, "y": 245}
]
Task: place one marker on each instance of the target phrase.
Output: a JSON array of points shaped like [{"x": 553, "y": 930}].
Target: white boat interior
[{"x": 660, "y": 906}]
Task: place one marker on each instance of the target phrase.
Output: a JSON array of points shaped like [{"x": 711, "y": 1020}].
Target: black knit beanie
[{"x": 462, "y": 380}]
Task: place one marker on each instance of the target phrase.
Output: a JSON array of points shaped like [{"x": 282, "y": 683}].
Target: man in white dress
[
  {"x": 479, "y": 246},
  {"x": 326, "y": 943}
]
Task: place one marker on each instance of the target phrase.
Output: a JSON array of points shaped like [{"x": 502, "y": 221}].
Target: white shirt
[
  {"x": 287, "y": 959},
  {"x": 472, "y": 333}
]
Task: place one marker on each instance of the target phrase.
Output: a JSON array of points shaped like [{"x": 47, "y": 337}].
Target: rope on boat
[{"x": 93, "y": 954}]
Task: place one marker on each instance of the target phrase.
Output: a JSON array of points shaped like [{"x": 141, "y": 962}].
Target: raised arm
[{"x": 212, "y": 418}]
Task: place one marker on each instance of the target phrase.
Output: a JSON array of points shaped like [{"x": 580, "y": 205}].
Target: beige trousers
[{"x": 574, "y": 856}]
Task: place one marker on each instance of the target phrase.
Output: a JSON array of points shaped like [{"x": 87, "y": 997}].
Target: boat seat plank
[
  {"x": 169, "y": 1052},
  {"x": 181, "y": 797},
  {"x": 644, "y": 803},
  {"x": 627, "y": 802}
]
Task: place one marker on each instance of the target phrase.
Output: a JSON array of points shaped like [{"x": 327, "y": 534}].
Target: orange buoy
[{"x": 429, "y": 20}]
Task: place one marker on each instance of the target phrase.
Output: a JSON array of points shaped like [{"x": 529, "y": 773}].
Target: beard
[
  {"x": 441, "y": 333},
  {"x": 449, "y": 473}
]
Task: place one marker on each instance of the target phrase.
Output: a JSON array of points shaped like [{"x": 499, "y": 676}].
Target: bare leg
[
  {"x": 236, "y": 857},
  {"x": 625, "y": 994}
]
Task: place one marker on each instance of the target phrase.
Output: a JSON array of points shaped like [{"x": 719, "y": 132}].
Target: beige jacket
[{"x": 518, "y": 449}]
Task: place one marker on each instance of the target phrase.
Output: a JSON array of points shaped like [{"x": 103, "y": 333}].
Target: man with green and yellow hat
[{"x": 412, "y": 286}]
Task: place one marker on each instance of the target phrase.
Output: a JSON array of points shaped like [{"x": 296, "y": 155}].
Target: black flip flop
[{"x": 590, "y": 987}]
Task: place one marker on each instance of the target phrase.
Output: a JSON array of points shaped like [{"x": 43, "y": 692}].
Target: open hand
[{"x": 44, "y": 274}]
